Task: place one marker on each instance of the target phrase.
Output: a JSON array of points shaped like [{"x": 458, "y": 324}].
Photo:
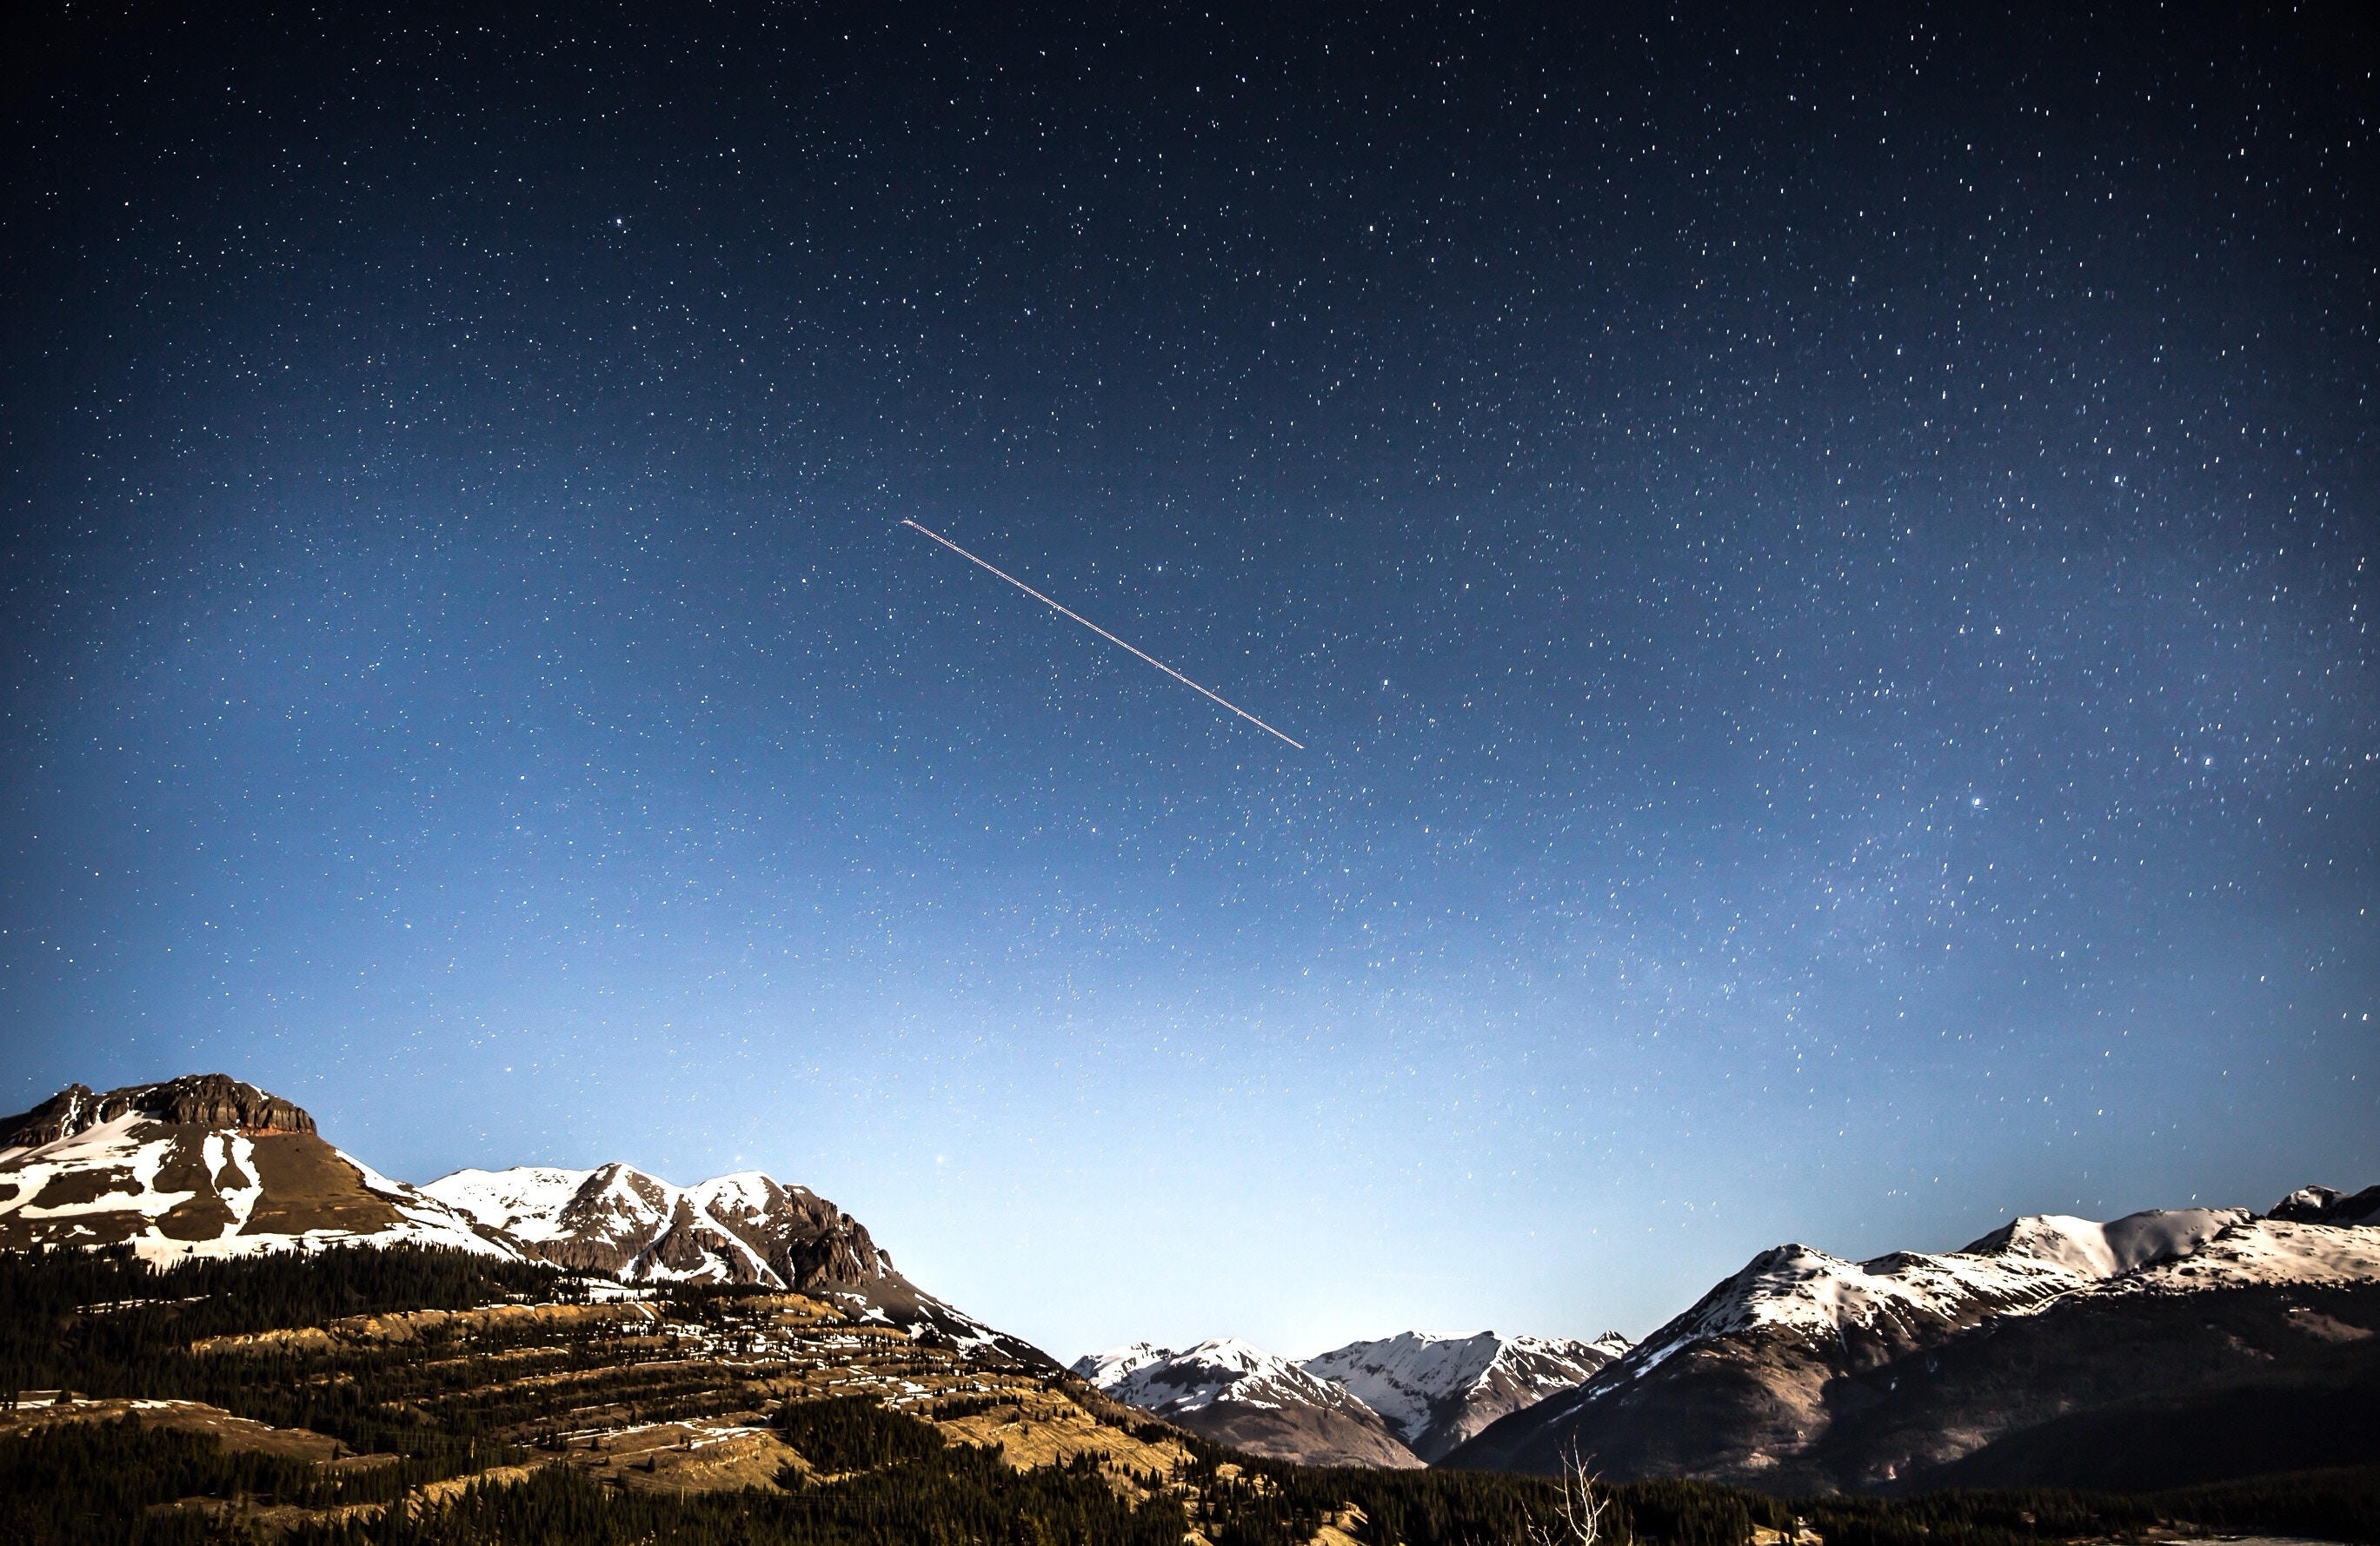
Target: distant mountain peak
[
  {"x": 2103, "y": 1250},
  {"x": 1437, "y": 1390},
  {"x": 2328, "y": 1205},
  {"x": 1235, "y": 1391}
]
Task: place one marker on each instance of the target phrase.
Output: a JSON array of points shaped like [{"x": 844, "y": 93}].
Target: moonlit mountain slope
[
  {"x": 2155, "y": 1349},
  {"x": 1435, "y": 1391},
  {"x": 1240, "y": 1394}
]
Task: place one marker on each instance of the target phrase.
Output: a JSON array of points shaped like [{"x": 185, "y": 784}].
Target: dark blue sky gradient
[{"x": 1823, "y": 563}]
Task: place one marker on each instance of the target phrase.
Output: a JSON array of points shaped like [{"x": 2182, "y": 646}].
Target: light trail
[{"x": 1100, "y": 632}]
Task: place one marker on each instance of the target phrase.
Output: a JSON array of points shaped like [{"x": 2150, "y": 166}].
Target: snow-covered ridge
[
  {"x": 1222, "y": 1369},
  {"x": 2020, "y": 1268},
  {"x": 1435, "y": 1391},
  {"x": 207, "y": 1166},
  {"x": 1111, "y": 1368},
  {"x": 2103, "y": 1250},
  {"x": 2263, "y": 1252},
  {"x": 741, "y": 1227},
  {"x": 524, "y": 1203}
]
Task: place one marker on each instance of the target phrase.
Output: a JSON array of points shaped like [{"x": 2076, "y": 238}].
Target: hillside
[
  {"x": 2157, "y": 1349},
  {"x": 399, "y": 1396}
]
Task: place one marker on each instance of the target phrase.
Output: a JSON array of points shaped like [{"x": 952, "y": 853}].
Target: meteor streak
[{"x": 1101, "y": 631}]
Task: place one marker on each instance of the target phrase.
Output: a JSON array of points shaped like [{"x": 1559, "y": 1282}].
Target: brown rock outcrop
[{"x": 216, "y": 1101}]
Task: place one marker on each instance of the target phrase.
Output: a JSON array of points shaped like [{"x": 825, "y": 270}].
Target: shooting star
[{"x": 1101, "y": 631}]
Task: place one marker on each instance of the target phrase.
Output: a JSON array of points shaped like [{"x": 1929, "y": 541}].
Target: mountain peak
[
  {"x": 1740, "y": 1387},
  {"x": 744, "y": 1227},
  {"x": 200, "y": 1165},
  {"x": 1235, "y": 1391},
  {"x": 2103, "y": 1250},
  {"x": 212, "y": 1100},
  {"x": 1436, "y": 1390},
  {"x": 2328, "y": 1205}
]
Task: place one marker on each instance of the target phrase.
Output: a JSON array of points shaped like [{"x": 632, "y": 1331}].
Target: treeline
[
  {"x": 70, "y": 1315},
  {"x": 2340, "y": 1505},
  {"x": 85, "y": 1482},
  {"x": 927, "y": 1493},
  {"x": 446, "y": 1405},
  {"x": 1271, "y": 1501},
  {"x": 73, "y": 1482},
  {"x": 104, "y": 1324}
]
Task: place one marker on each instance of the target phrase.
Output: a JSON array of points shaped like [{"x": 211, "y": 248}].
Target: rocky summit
[
  {"x": 215, "y": 1101},
  {"x": 203, "y": 1165}
]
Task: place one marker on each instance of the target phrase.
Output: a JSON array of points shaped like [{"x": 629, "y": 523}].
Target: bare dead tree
[{"x": 1580, "y": 1522}]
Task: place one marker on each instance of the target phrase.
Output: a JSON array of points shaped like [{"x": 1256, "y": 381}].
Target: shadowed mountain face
[
  {"x": 2328, "y": 1205},
  {"x": 2160, "y": 1349}
]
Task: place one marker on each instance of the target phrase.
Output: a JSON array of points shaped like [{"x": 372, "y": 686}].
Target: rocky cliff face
[
  {"x": 616, "y": 1219},
  {"x": 199, "y": 1166},
  {"x": 805, "y": 1239},
  {"x": 216, "y": 1101}
]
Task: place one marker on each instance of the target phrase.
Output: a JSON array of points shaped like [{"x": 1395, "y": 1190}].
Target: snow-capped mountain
[
  {"x": 203, "y": 1165},
  {"x": 1435, "y": 1391},
  {"x": 2328, "y": 1205},
  {"x": 1806, "y": 1371},
  {"x": 744, "y": 1227},
  {"x": 616, "y": 1219},
  {"x": 1906, "y": 1297},
  {"x": 1239, "y": 1394},
  {"x": 208, "y": 1165}
]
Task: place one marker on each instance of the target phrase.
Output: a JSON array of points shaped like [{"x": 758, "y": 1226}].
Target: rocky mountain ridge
[
  {"x": 208, "y": 1165},
  {"x": 195, "y": 1100},
  {"x": 1805, "y": 1371},
  {"x": 1435, "y": 1391},
  {"x": 1226, "y": 1390},
  {"x": 200, "y": 1165},
  {"x": 741, "y": 1228},
  {"x": 1399, "y": 1401}
]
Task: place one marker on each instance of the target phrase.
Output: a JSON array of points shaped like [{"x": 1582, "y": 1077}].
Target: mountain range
[
  {"x": 2161, "y": 1347},
  {"x": 207, "y": 1166},
  {"x": 1402, "y": 1401}
]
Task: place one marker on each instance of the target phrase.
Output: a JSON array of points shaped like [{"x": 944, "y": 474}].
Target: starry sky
[{"x": 1822, "y": 560}]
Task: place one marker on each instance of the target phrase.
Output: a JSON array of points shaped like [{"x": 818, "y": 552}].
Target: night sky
[{"x": 1823, "y": 565}]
